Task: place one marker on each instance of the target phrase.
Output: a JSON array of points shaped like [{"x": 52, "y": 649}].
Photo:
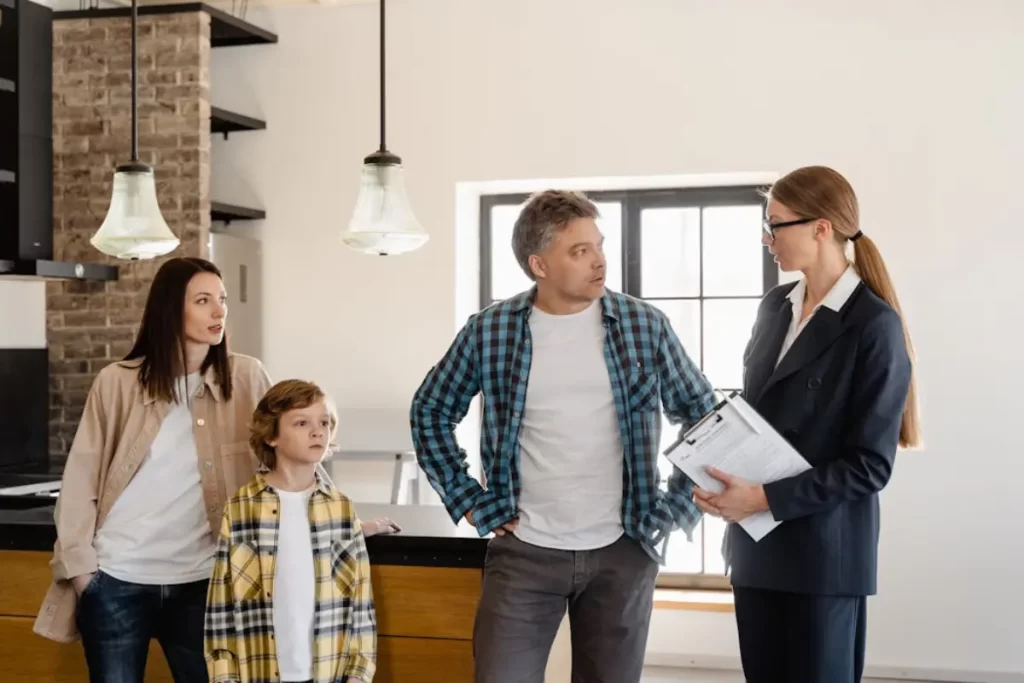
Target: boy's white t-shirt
[{"x": 294, "y": 588}]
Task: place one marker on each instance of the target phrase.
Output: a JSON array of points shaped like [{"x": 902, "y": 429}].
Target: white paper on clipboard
[{"x": 735, "y": 439}]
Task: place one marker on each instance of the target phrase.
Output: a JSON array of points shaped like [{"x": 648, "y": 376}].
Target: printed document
[{"x": 735, "y": 439}]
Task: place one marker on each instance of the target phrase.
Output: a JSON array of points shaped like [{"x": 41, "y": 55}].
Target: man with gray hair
[{"x": 571, "y": 375}]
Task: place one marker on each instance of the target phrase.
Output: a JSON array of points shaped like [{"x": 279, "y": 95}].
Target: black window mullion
[
  {"x": 486, "y": 267},
  {"x": 632, "y": 245},
  {"x": 700, "y": 293},
  {"x": 703, "y": 545},
  {"x": 723, "y": 297}
]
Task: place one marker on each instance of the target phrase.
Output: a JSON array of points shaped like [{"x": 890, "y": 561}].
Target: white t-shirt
[
  {"x": 571, "y": 459},
  {"x": 157, "y": 531},
  {"x": 294, "y": 588}
]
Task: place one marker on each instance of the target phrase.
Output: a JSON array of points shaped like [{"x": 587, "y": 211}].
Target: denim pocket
[{"x": 92, "y": 585}]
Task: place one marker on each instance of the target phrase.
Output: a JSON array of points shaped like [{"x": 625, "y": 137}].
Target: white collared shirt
[{"x": 835, "y": 299}]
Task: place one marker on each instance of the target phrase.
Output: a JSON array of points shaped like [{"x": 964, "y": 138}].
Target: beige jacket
[{"x": 118, "y": 426}]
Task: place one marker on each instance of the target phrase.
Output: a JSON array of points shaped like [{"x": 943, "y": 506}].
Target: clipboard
[{"x": 735, "y": 439}]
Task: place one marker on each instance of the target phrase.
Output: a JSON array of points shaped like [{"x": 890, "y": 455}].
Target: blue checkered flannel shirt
[{"x": 491, "y": 355}]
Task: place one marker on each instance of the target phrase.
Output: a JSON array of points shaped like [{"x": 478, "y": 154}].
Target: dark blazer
[{"x": 837, "y": 396}]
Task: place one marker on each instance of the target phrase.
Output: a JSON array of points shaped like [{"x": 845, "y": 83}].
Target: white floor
[
  {"x": 654, "y": 675},
  {"x": 663, "y": 675}
]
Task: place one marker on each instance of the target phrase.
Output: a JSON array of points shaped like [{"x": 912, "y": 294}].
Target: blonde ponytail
[{"x": 871, "y": 268}]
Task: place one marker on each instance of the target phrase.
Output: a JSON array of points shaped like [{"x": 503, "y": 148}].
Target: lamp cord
[
  {"x": 383, "y": 147},
  {"x": 135, "y": 82}
]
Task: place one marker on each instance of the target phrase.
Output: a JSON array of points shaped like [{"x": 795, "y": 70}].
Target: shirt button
[
  {"x": 207, "y": 464},
  {"x": 515, "y": 414},
  {"x": 200, "y": 422}
]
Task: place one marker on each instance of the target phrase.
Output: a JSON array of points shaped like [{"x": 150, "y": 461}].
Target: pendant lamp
[
  {"x": 383, "y": 222},
  {"x": 134, "y": 227}
]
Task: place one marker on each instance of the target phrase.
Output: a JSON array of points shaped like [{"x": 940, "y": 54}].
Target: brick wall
[{"x": 92, "y": 324}]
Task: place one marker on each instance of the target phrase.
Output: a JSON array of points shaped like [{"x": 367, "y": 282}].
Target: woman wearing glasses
[{"x": 830, "y": 366}]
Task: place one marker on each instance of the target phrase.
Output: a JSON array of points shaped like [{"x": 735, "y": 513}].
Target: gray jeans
[{"x": 609, "y": 593}]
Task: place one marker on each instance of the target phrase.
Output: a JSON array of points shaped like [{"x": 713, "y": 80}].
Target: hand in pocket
[{"x": 81, "y": 582}]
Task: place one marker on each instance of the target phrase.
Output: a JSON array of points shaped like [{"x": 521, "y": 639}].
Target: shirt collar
[
  {"x": 523, "y": 302},
  {"x": 836, "y": 298},
  {"x": 322, "y": 484},
  {"x": 209, "y": 382}
]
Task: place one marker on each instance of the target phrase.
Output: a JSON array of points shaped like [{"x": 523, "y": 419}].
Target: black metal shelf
[
  {"x": 225, "y": 213},
  {"x": 226, "y": 30},
  {"x": 223, "y": 122},
  {"x": 59, "y": 270}
]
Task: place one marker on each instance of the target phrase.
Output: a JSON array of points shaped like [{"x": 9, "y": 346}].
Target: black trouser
[{"x": 794, "y": 638}]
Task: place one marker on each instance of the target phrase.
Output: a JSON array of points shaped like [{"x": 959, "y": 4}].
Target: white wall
[
  {"x": 22, "y": 313},
  {"x": 919, "y": 102}
]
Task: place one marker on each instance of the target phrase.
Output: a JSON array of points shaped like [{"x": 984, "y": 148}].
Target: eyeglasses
[{"x": 770, "y": 228}]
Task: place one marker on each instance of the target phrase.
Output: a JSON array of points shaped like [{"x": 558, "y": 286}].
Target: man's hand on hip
[{"x": 509, "y": 526}]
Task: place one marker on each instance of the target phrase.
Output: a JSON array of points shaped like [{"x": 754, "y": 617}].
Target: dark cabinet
[
  {"x": 24, "y": 409},
  {"x": 34, "y": 81},
  {"x": 8, "y": 42},
  {"x": 26, "y": 130},
  {"x": 34, "y": 183}
]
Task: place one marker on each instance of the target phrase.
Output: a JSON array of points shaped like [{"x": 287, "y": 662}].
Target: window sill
[{"x": 693, "y": 600}]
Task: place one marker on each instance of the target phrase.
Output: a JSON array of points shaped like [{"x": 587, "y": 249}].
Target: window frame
[{"x": 634, "y": 202}]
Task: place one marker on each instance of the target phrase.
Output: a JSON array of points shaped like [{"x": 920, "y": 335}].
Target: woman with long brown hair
[
  {"x": 163, "y": 442},
  {"x": 830, "y": 366}
]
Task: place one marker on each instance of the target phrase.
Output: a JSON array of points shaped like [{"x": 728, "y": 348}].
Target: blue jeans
[{"x": 118, "y": 619}]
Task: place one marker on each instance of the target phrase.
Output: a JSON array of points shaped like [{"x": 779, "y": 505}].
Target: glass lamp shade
[
  {"x": 383, "y": 222},
  {"x": 134, "y": 227}
]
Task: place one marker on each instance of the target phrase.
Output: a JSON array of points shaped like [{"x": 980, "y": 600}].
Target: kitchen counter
[
  {"x": 428, "y": 537},
  {"x": 426, "y": 582},
  {"x": 20, "y": 479}
]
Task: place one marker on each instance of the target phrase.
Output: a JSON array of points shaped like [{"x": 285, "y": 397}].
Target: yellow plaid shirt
[{"x": 240, "y": 644}]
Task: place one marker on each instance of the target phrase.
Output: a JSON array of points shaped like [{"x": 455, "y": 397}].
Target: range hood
[{"x": 26, "y": 148}]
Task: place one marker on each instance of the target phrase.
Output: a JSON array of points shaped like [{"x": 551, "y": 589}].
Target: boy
[{"x": 291, "y": 561}]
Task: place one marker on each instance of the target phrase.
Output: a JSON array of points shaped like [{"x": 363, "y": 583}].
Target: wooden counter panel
[
  {"x": 28, "y": 658},
  {"x": 438, "y": 602},
  {"x": 26, "y": 578},
  {"x": 424, "y": 660}
]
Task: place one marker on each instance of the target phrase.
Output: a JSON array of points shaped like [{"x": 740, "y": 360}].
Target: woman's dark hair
[{"x": 161, "y": 339}]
